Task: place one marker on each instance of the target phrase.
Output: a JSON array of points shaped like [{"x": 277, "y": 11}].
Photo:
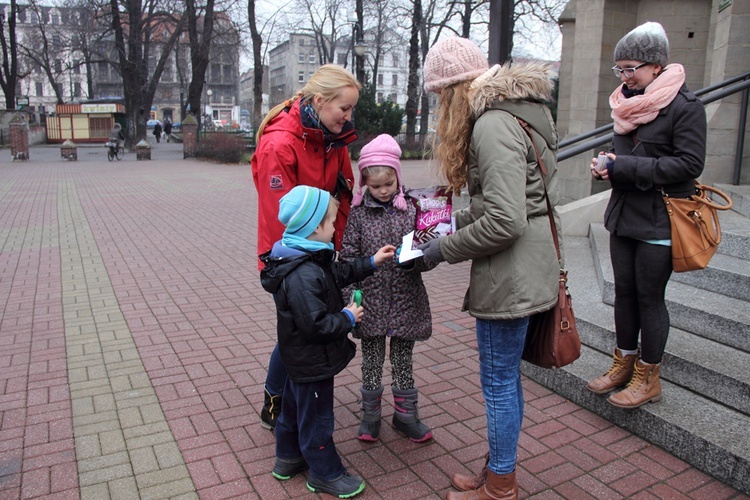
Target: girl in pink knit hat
[{"x": 395, "y": 299}]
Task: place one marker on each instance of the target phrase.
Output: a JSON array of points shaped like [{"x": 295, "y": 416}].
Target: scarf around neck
[
  {"x": 629, "y": 113},
  {"x": 292, "y": 241}
]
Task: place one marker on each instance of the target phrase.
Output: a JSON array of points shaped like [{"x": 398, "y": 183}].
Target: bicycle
[{"x": 114, "y": 151}]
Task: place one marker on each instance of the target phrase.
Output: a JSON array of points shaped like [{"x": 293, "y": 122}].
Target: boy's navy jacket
[{"x": 312, "y": 329}]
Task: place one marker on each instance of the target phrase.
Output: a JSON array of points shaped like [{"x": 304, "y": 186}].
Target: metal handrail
[{"x": 729, "y": 87}]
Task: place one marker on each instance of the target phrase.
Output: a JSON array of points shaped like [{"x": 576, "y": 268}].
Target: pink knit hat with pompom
[
  {"x": 453, "y": 60},
  {"x": 383, "y": 151}
]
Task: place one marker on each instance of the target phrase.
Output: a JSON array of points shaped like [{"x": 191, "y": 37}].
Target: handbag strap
[{"x": 539, "y": 161}]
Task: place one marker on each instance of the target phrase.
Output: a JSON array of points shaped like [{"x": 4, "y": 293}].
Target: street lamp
[
  {"x": 209, "y": 93},
  {"x": 359, "y": 47}
]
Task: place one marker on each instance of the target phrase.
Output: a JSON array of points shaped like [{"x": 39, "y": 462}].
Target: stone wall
[{"x": 713, "y": 46}]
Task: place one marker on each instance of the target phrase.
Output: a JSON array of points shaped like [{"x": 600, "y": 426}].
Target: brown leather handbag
[
  {"x": 552, "y": 339},
  {"x": 696, "y": 232}
]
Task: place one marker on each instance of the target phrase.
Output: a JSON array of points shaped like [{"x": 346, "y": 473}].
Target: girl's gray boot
[
  {"x": 369, "y": 427},
  {"x": 406, "y": 415}
]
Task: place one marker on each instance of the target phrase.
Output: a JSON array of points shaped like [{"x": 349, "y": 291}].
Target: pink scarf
[{"x": 628, "y": 114}]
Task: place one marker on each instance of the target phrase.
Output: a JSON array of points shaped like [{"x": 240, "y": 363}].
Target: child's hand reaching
[
  {"x": 357, "y": 311},
  {"x": 387, "y": 252}
]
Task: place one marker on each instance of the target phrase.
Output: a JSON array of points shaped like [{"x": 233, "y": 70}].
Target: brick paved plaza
[{"x": 134, "y": 338}]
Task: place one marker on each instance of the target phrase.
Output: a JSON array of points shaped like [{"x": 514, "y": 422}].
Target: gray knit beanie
[{"x": 647, "y": 43}]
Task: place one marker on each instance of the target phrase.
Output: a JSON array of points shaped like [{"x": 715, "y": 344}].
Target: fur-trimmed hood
[{"x": 526, "y": 81}]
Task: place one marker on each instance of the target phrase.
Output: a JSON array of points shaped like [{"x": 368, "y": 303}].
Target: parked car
[{"x": 152, "y": 123}]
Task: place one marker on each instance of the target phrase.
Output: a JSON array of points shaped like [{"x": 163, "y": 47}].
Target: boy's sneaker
[
  {"x": 286, "y": 469},
  {"x": 345, "y": 486}
]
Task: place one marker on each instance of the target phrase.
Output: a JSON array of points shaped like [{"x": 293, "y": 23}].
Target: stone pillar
[
  {"x": 69, "y": 151},
  {"x": 189, "y": 137},
  {"x": 19, "y": 138},
  {"x": 143, "y": 150}
]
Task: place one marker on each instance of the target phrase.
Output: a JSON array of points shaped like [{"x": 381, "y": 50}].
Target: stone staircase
[{"x": 704, "y": 415}]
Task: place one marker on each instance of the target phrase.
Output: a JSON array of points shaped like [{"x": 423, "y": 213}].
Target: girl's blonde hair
[
  {"x": 376, "y": 170},
  {"x": 453, "y": 135},
  {"x": 327, "y": 83}
]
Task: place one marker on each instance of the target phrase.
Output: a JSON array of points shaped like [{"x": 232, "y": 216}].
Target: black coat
[
  {"x": 312, "y": 329},
  {"x": 668, "y": 152}
]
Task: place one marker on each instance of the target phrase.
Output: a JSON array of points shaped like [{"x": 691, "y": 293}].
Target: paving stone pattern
[{"x": 134, "y": 341}]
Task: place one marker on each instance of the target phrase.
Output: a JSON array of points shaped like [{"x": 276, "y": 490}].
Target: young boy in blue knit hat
[{"x": 313, "y": 324}]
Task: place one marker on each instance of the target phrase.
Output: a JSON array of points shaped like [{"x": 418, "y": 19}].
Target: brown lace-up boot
[
  {"x": 644, "y": 387},
  {"x": 618, "y": 374},
  {"x": 497, "y": 487},
  {"x": 462, "y": 482}
]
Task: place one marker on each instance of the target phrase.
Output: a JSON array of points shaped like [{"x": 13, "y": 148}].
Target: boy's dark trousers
[{"x": 305, "y": 427}]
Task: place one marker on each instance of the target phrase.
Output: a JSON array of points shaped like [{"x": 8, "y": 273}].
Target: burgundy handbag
[{"x": 552, "y": 339}]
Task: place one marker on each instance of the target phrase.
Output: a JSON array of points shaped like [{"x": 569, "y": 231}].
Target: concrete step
[
  {"x": 735, "y": 234},
  {"x": 705, "y": 411},
  {"x": 699, "y": 364},
  {"x": 740, "y": 196},
  {"x": 703, "y": 433},
  {"x": 725, "y": 274},
  {"x": 714, "y": 316}
]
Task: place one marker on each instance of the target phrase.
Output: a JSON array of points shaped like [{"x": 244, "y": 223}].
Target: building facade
[
  {"x": 709, "y": 37},
  {"x": 73, "y": 76},
  {"x": 293, "y": 61}
]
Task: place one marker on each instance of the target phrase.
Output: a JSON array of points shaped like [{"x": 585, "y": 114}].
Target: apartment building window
[
  {"x": 380, "y": 98},
  {"x": 311, "y": 57},
  {"x": 227, "y": 73},
  {"x": 58, "y": 65},
  {"x": 301, "y": 76},
  {"x": 310, "y": 74},
  {"x": 76, "y": 67},
  {"x": 392, "y": 97},
  {"x": 76, "y": 89},
  {"x": 103, "y": 70},
  {"x": 396, "y": 60},
  {"x": 394, "y": 79},
  {"x": 55, "y": 19},
  {"x": 39, "y": 89},
  {"x": 301, "y": 57},
  {"x": 380, "y": 79}
]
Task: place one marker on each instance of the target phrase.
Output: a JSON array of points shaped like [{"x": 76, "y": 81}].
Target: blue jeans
[
  {"x": 276, "y": 376},
  {"x": 500, "y": 345}
]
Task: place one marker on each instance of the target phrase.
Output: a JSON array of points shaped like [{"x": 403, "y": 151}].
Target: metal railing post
[{"x": 740, "y": 138}]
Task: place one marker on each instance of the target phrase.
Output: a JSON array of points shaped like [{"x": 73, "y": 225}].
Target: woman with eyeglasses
[{"x": 659, "y": 145}]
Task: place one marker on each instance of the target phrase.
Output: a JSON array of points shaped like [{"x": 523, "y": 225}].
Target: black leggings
[
  {"x": 373, "y": 357},
  {"x": 642, "y": 271}
]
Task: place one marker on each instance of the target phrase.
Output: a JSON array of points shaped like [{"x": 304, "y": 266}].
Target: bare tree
[
  {"x": 10, "y": 71},
  {"x": 144, "y": 35},
  {"x": 323, "y": 20},
  {"x": 413, "y": 87},
  {"x": 200, "y": 31},
  {"x": 61, "y": 49},
  {"x": 257, "y": 44}
]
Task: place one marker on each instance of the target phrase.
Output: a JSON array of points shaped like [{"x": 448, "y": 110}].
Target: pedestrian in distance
[
  {"x": 396, "y": 299},
  {"x": 659, "y": 145},
  {"x": 167, "y": 129},
  {"x": 157, "y": 131},
  {"x": 505, "y": 231},
  {"x": 302, "y": 141},
  {"x": 313, "y": 324}
]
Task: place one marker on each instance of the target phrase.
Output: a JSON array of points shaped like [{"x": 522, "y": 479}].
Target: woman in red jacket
[{"x": 302, "y": 141}]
